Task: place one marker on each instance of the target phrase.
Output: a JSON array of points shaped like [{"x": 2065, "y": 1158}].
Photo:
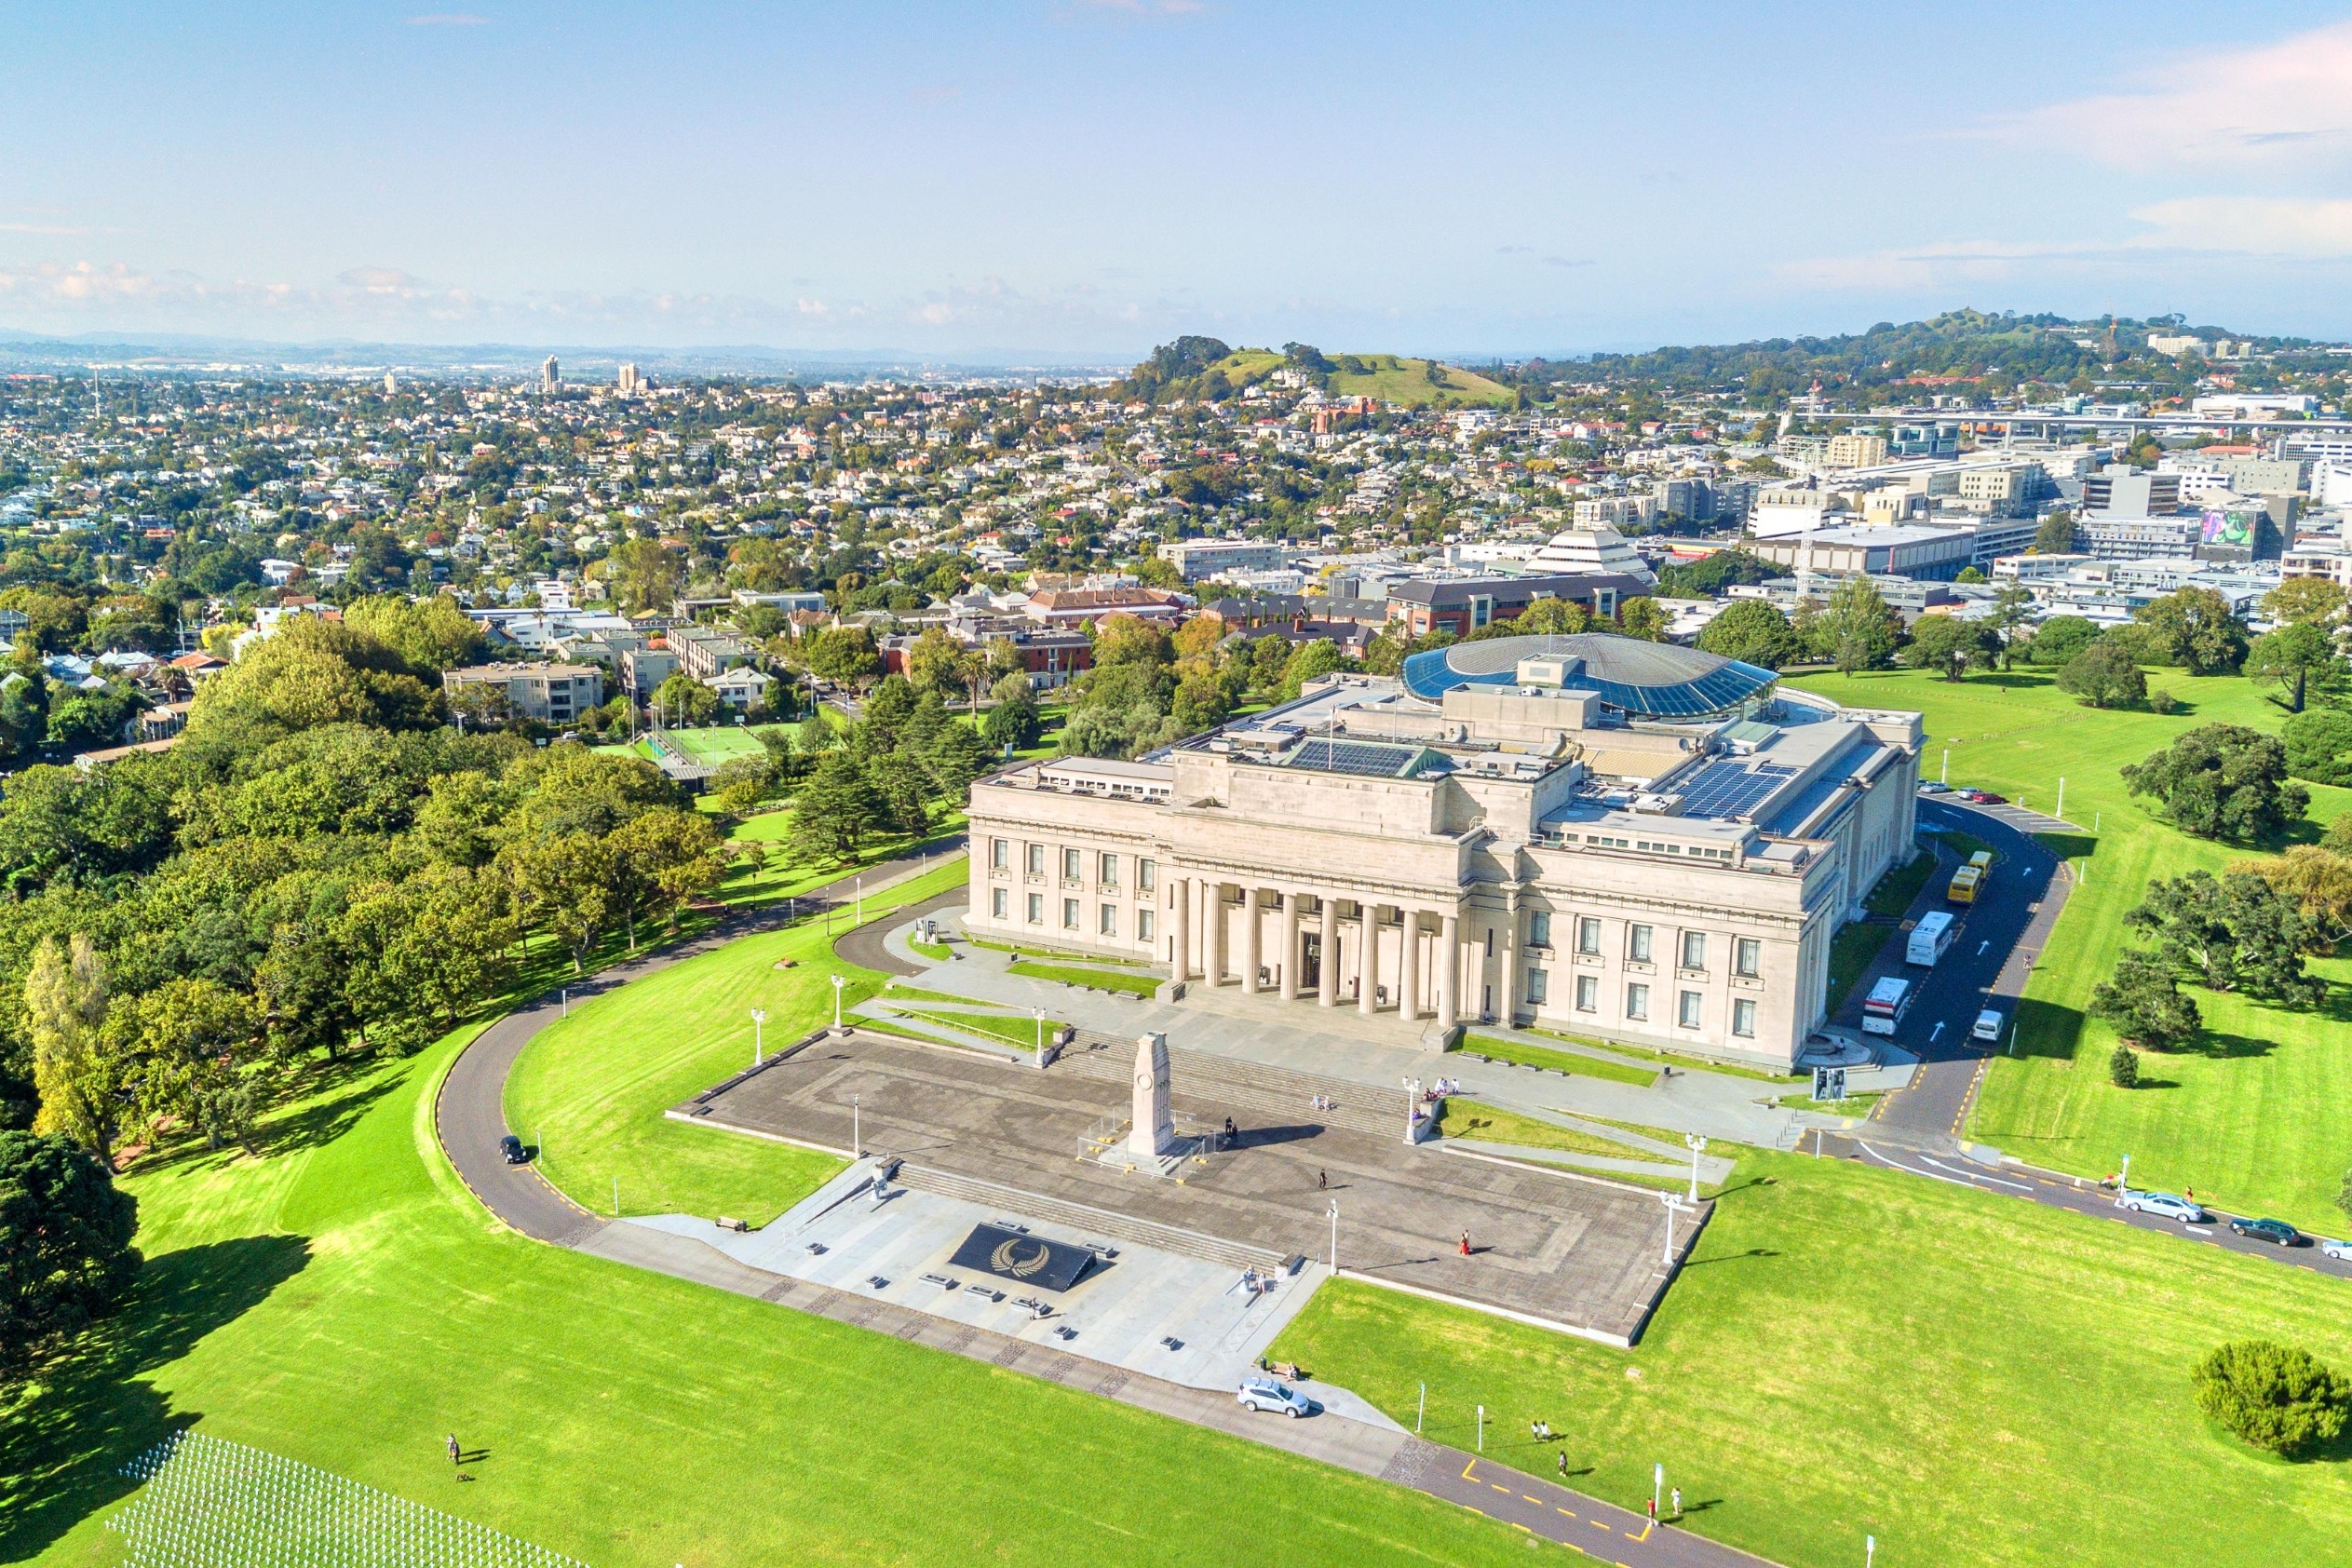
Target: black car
[
  {"x": 2277, "y": 1232},
  {"x": 511, "y": 1147}
]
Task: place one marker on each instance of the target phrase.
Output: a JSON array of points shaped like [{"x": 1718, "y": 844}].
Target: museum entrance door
[{"x": 1310, "y": 960}]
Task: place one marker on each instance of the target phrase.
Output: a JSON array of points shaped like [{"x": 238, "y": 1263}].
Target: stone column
[
  {"x": 1367, "y": 987},
  {"x": 1327, "y": 979},
  {"x": 1289, "y": 965},
  {"x": 1182, "y": 963},
  {"x": 1449, "y": 969},
  {"x": 1212, "y": 968},
  {"x": 1507, "y": 1015},
  {"x": 1408, "y": 981},
  {"x": 1252, "y": 941}
]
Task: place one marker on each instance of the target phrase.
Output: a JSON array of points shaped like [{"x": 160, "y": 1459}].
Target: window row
[
  {"x": 1106, "y": 917},
  {"x": 1747, "y": 953},
  {"x": 1690, "y": 1007},
  {"x": 1106, "y": 864}
]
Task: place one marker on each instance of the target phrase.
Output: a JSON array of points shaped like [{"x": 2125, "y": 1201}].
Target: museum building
[{"x": 1625, "y": 840}]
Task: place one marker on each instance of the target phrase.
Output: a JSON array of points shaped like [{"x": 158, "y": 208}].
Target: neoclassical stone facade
[{"x": 1512, "y": 851}]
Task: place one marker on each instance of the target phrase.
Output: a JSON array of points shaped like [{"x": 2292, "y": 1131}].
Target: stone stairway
[
  {"x": 1276, "y": 1092},
  {"x": 1087, "y": 1222}
]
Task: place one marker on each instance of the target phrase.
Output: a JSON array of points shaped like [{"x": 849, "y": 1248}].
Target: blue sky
[{"x": 1082, "y": 178}]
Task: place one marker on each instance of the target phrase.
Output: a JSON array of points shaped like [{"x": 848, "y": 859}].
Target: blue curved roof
[{"x": 1646, "y": 680}]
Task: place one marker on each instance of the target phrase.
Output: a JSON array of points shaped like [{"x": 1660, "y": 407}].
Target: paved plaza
[{"x": 1568, "y": 1252}]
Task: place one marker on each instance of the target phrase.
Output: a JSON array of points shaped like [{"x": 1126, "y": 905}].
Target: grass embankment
[
  {"x": 1559, "y": 1061},
  {"x": 1470, "y": 1118},
  {"x": 1072, "y": 955},
  {"x": 1101, "y": 979},
  {"x": 342, "y": 1301},
  {"x": 2252, "y": 1117},
  {"x": 1676, "y": 1060},
  {"x": 590, "y": 1091},
  {"x": 783, "y": 878},
  {"x": 1020, "y": 1031},
  {"x": 1851, "y": 1351}
]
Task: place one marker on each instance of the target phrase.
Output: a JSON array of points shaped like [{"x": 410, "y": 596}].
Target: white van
[{"x": 1988, "y": 1025}]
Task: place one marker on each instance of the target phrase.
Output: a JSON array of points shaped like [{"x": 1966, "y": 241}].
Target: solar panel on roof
[
  {"x": 1729, "y": 788},
  {"x": 1368, "y": 759}
]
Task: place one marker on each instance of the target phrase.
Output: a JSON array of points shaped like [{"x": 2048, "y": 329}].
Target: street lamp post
[
  {"x": 838, "y": 983},
  {"x": 1334, "y": 1239},
  {"x": 1697, "y": 1143},
  {"x": 857, "y": 1130},
  {"x": 1041, "y": 1037},
  {"x": 1945, "y": 776},
  {"x": 759, "y": 1017},
  {"x": 1675, "y": 1205}
]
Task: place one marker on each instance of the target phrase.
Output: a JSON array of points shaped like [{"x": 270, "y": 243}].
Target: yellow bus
[{"x": 1964, "y": 886}]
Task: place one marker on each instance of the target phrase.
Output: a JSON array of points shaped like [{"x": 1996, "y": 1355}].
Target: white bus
[
  {"x": 1929, "y": 938},
  {"x": 1886, "y": 1006}
]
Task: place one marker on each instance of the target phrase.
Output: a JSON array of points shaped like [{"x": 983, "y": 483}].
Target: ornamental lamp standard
[
  {"x": 759, "y": 1017},
  {"x": 1697, "y": 1144},
  {"x": 838, "y": 983}
]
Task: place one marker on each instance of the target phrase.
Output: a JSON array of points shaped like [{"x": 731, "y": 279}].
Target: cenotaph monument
[{"x": 1154, "y": 1134}]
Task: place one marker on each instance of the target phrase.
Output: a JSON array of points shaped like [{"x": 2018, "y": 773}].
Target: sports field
[
  {"x": 1851, "y": 1351},
  {"x": 714, "y": 744},
  {"x": 2252, "y": 1118}
]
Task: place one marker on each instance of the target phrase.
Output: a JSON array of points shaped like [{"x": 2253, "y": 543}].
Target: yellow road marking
[
  {"x": 1537, "y": 1501},
  {"x": 1498, "y": 1486},
  {"x": 1563, "y": 1511}
]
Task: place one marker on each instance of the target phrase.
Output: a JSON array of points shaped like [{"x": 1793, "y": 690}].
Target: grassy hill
[
  {"x": 1394, "y": 379},
  {"x": 1193, "y": 368}
]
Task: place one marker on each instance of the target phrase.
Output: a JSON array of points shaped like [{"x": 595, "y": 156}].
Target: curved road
[{"x": 470, "y": 1119}]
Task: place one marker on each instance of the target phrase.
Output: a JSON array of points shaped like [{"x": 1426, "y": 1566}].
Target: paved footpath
[{"x": 470, "y": 1119}]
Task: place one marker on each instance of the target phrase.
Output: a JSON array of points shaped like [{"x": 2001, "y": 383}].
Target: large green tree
[
  {"x": 2104, "y": 675},
  {"x": 2222, "y": 781},
  {"x": 2296, "y": 657},
  {"x": 1856, "y": 630},
  {"x": 2144, "y": 1002},
  {"x": 2233, "y": 932},
  {"x": 66, "y": 1257},
  {"x": 2196, "y": 629},
  {"x": 1950, "y": 646}
]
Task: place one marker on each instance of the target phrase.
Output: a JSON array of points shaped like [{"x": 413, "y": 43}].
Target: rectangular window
[
  {"x": 1037, "y": 908},
  {"x": 1069, "y": 915},
  {"x": 1694, "y": 950},
  {"x": 1743, "y": 1018},
  {"x": 999, "y": 903},
  {"x": 1637, "y": 943},
  {"x": 1587, "y": 934},
  {"x": 1539, "y": 928},
  {"x": 1147, "y": 874},
  {"x": 1036, "y": 859},
  {"x": 1000, "y": 854},
  {"x": 1538, "y": 988},
  {"x": 1746, "y": 957},
  {"x": 1069, "y": 865},
  {"x": 1145, "y": 926},
  {"x": 1637, "y": 1001},
  {"x": 1689, "y": 1015},
  {"x": 1490, "y": 942},
  {"x": 1109, "y": 920},
  {"x": 1588, "y": 993},
  {"x": 1108, "y": 871}
]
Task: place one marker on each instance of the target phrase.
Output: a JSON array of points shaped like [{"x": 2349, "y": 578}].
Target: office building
[
  {"x": 1616, "y": 838},
  {"x": 703, "y": 653},
  {"x": 1460, "y": 605},
  {"x": 1584, "y": 551},
  {"x": 1197, "y": 558},
  {"x": 1855, "y": 449},
  {"x": 551, "y": 375},
  {"x": 1935, "y": 554},
  {"x": 626, "y": 382},
  {"x": 2120, "y": 492},
  {"x": 553, "y": 694}
]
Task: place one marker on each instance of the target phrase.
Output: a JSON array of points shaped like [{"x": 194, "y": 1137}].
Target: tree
[
  {"x": 65, "y": 1232},
  {"x": 644, "y": 574},
  {"x": 843, "y": 655},
  {"x": 1130, "y": 640},
  {"x": 2058, "y": 640},
  {"x": 1014, "y": 721},
  {"x": 1554, "y": 617},
  {"x": 190, "y": 1044},
  {"x": 2104, "y": 675},
  {"x": 1310, "y": 659},
  {"x": 660, "y": 860},
  {"x": 1951, "y": 645},
  {"x": 904, "y": 785},
  {"x": 683, "y": 701},
  {"x": 2123, "y": 1067},
  {"x": 1856, "y": 630},
  {"x": 2296, "y": 656},
  {"x": 2222, "y": 781},
  {"x": 832, "y": 811},
  {"x": 1970, "y": 575},
  {"x": 1639, "y": 617},
  {"x": 934, "y": 663},
  {"x": 429, "y": 634},
  {"x": 2056, "y": 536},
  {"x": 2320, "y": 746},
  {"x": 956, "y": 760},
  {"x": 740, "y": 783},
  {"x": 2196, "y": 629},
  {"x": 2279, "y": 1398},
  {"x": 889, "y": 708},
  {"x": 2319, "y": 881},
  {"x": 563, "y": 885},
  {"x": 1751, "y": 630},
  {"x": 2234, "y": 932},
  {"x": 2304, "y": 601},
  {"x": 76, "y": 1076},
  {"x": 2144, "y": 1003}
]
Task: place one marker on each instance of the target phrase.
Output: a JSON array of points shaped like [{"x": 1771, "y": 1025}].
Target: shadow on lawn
[{"x": 66, "y": 1434}]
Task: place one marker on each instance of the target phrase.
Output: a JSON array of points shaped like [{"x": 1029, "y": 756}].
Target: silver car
[
  {"x": 2166, "y": 1206},
  {"x": 1265, "y": 1394},
  {"x": 2338, "y": 1249}
]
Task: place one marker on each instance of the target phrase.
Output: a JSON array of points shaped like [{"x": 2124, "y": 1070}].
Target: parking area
[{"x": 1581, "y": 1255}]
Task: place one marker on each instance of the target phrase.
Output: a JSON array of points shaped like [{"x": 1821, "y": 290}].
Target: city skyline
[{"x": 1081, "y": 181}]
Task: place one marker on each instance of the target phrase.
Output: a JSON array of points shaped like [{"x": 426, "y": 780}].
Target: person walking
[
  {"x": 1563, "y": 1466},
  {"x": 1322, "y": 1181},
  {"x": 454, "y": 1451},
  {"x": 1466, "y": 1244},
  {"x": 1678, "y": 1502}
]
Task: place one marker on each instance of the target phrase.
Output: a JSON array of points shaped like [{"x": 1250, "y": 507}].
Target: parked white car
[
  {"x": 2165, "y": 1205},
  {"x": 2342, "y": 1249},
  {"x": 1988, "y": 1026},
  {"x": 1265, "y": 1394}
]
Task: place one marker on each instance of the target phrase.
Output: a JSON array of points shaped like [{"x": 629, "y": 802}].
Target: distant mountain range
[{"x": 167, "y": 353}]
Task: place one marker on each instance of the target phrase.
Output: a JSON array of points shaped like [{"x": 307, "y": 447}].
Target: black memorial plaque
[{"x": 1025, "y": 1259}]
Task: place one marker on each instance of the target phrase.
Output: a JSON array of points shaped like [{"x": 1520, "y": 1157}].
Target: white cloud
[
  {"x": 2281, "y": 104},
  {"x": 2251, "y": 225}
]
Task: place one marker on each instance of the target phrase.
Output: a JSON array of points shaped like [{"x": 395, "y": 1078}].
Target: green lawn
[
  {"x": 590, "y": 1090},
  {"x": 346, "y": 1303},
  {"x": 1562, "y": 1062},
  {"x": 1673, "y": 1058},
  {"x": 1850, "y": 1351},
  {"x": 1469, "y": 1119},
  {"x": 1395, "y": 379},
  {"x": 2253, "y": 1119},
  {"x": 1101, "y": 979},
  {"x": 783, "y": 878},
  {"x": 714, "y": 744},
  {"x": 1014, "y": 1031}
]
